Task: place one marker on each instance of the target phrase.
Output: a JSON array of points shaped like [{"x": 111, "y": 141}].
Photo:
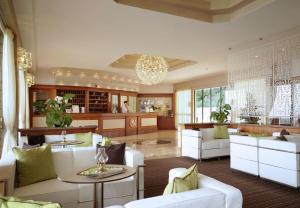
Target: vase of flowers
[{"x": 55, "y": 111}]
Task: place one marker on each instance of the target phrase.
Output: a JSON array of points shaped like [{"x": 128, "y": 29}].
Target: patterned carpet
[{"x": 257, "y": 193}]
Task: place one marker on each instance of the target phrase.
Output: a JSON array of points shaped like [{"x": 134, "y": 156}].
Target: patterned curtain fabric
[
  {"x": 9, "y": 91},
  {"x": 265, "y": 81}
]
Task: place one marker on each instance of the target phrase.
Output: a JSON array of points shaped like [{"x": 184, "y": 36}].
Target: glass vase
[{"x": 101, "y": 158}]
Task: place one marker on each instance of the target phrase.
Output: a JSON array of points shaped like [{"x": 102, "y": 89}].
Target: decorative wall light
[
  {"x": 151, "y": 69},
  {"x": 24, "y": 59},
  {"x": 30, "y": 79}
]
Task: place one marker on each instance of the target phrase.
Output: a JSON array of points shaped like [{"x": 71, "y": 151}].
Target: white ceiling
[{"x": 94, "y": 33}]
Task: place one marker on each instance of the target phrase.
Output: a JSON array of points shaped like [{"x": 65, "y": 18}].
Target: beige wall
[
  {"x": 160, "y": 88},
  {"x": 213, "y": 80}
]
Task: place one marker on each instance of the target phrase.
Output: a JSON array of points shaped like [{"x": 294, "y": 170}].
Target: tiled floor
[{"x": 161, "y": 144}]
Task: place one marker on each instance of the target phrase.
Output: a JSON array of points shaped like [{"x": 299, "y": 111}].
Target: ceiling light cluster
[
  {"x": 151, "y": 70},
  {"x": 24, "y": 59}
]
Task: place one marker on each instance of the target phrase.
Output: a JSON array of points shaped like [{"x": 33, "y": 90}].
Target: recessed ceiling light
[
  {"x": 256, "y": 56},
  {"x": 82, "y": 75},
  {"x": 283, "y": 49},
  {"x": 96, "y": 76},
  {"x": 68, "y": 74}
]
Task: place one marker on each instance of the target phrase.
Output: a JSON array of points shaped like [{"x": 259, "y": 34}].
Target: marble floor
[{"x": 161, "y": 144}]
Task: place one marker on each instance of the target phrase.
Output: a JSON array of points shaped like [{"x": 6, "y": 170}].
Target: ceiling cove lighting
[
  {"x": 151, "y": 70},
  {"x": 24, "y": 59}
]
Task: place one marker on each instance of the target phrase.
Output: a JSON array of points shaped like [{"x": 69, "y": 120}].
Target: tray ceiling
[{"x": 128, "y": 61}]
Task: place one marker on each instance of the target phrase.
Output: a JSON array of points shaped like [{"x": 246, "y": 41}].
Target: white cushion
[
  {"x": 211, "y": 144},
  {"x": 199, "y": 198},
  {"x": 192, "y": 133},
  {"x": 208, "y": 134},
  {"x": 96, "y": 139},
  {"x": 83, "y": 157},
  {"x": 246, "y": 140},
  {"x": 280, "y": 145},
  {"x": 63, "y": 160},
  {"x": 224, "y": 143},
  {"x": 293, "y": 138},
  {"x": 50, "y": 190}
]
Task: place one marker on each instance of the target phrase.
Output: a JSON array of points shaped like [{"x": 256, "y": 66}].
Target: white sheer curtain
[
  {"x": 9, "y": 91},
  {"x": 22, "y": 99},
  {"x": 27, "y": 113}
]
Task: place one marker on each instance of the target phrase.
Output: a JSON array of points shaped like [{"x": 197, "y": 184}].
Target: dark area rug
[{"x": 257, "y": 193}]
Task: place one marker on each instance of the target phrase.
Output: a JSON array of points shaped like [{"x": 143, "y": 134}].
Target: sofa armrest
[
  {"x": 7, "y": 173},
  {"x": 233, "y": 195},
  {"x": 134, "y": 158},
  {"x": 234, "y": 198},
  {"x": 97, "y": 138}
]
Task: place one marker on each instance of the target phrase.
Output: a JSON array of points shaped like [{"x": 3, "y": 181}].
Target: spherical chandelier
[{"x": 151, "y": 70}]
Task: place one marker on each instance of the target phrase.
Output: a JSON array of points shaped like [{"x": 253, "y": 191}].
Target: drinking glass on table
[{"x": 63, "y": 135}]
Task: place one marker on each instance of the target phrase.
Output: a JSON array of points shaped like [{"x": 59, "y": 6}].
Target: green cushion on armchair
[
  {"x": 12, "y": 202},
  {"x": 34, "y": 165},
  {"x": 86, "y": 138},
  {"x": 221, "y": 132}
]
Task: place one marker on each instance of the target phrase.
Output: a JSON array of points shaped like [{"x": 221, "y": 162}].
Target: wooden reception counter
[
  {"x": 111, "y": 124},
  {"x": 120, "y": 124}
]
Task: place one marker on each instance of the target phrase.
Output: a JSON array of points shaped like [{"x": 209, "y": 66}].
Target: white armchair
[
  {"x": 211, "y": 193},
  {"x": 202, "y": 144}
]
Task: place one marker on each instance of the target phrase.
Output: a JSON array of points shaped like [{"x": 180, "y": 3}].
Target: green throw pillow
[
  {"x": 11, "y": 202},
  {"x": 106, "y": 141},
  {"x": 34, "y": 165},
  {"x": 187, "y": 181},
  {"x": 86, "y": 138},
  {"x": 221, "y": 132}
]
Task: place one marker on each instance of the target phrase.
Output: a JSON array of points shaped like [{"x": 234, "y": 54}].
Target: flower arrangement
[
  {"x": 55, "y": 111},
  {"x": 250, "y": 113}
]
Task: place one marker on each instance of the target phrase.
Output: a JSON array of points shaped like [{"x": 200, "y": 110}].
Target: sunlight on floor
[{"x": 161, "y": 144}]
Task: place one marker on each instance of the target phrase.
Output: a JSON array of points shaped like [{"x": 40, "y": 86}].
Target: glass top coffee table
[
  {"x": 73, "y": 177},
  {"x": 65, "y": 143}
]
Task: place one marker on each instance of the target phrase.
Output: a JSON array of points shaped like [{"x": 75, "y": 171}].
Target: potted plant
[
  {"x": 221, "y": 117},
  {"x": 55, "y": 111}
]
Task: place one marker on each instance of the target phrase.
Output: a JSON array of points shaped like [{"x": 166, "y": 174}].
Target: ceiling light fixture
[
  {"x": 151, "y": 69},
  {"x": 29, "y": 79},
  {"x": 24, "y": 59}
]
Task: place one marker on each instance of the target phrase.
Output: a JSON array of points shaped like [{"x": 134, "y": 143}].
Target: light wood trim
[
  {"x": 196, "y": 9},
  {"x": 156, "y": 95}
]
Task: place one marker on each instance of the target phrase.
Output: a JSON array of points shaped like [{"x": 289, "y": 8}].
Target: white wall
[{"x": 160, "y": 88}]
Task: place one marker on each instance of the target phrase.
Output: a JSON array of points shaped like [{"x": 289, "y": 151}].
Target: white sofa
[
  {"x": 279, "y": 161},
  {"x": 202, "y": 144},
  {"x": 211, "y": 194},
  {"x": 74, "y": 195},
  {"x": 244, "y": 154},
  {"x": 268, "y": 158},
  {"x": 54, "y": 138}
]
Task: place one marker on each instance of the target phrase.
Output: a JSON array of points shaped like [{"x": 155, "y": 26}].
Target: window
[
  {"x": 132, "y": 104},
  {"x": 183, "y": 106},
  {"x": 198, "y": 106},
  {"x": 206, "y": 101}
]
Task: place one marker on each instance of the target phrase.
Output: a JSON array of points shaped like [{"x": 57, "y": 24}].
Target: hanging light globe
[{"x": 151, "y": 70}]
